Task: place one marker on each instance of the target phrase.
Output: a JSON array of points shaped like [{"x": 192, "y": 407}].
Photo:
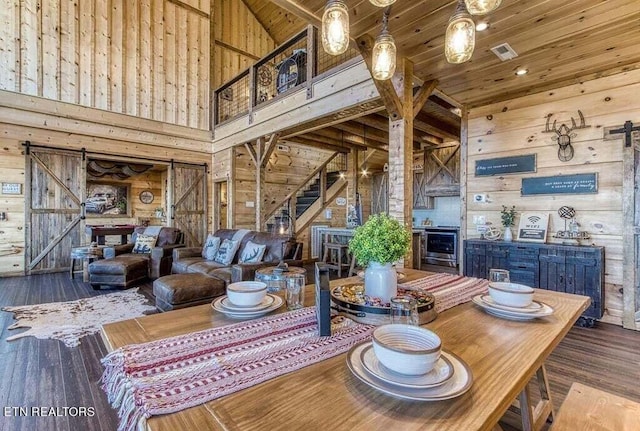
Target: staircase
[{"x": 307, "y": 197}]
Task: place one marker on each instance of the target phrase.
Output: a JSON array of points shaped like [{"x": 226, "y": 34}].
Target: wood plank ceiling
[{"x": 560, "y": 42}]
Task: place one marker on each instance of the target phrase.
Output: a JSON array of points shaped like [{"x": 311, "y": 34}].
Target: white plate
[
  {"x": 401, "y": 275},
  {"x": 228, "y": 305},
  {"x": 513, "y": 315},
  {"x": 216, "y": 305},
  {"x": 454, "y": 387},
  {"x": 534, "y": 307},
  {"x": 442, "y": 371}
]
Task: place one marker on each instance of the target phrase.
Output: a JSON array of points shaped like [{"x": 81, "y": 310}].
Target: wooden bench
[{"x": 589, "y": 409}]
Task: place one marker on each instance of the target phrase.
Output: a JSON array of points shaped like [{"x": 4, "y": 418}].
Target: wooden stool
[
  {"x": 596, "y": 410},
  {"x": 341, "y": 251},
  {"x": 353, "y": 270}
]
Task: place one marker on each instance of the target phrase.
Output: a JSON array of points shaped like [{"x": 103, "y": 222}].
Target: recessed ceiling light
[
  {"x": 521, "y": 72},
  {"x": 482, "y": 26}
]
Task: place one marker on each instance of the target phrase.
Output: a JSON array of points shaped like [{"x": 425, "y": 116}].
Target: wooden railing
[{"x": 294, "y": 64}]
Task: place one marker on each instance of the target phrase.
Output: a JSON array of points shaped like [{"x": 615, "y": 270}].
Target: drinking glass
[
  {"x": 499, "y": 275},
  {"x": 404, "y": 309},
  {"x": 294, "y": 293}
]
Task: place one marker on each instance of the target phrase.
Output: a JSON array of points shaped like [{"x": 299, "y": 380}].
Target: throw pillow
[
  {"x": 227, "y": 251},
  {"x": 211, "y": 246},
  {"x": 252, "y": 253},
  {"x": 144, "y": 244}
]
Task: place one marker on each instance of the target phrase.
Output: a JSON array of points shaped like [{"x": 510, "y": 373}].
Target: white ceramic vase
[
  {"x": 381, "y": 281},
  {"x": 508, "y": 235}
]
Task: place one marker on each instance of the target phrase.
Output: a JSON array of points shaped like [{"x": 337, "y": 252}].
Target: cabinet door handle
[{"x": 561, "y": 279}]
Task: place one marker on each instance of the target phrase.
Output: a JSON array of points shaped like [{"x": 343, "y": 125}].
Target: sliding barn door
[
  {"x": 54, "y": 192},
  {"x": 631, "y": 236},
  {"x": 189, "y": 197}
]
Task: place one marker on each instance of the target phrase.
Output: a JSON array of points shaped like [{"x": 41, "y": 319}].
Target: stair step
[{"x": 306, "y": 200}]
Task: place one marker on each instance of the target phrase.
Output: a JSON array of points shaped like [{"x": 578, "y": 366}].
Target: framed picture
[
  {"x": 107, "y": 199},
  {"x": 533, "y": 227}
]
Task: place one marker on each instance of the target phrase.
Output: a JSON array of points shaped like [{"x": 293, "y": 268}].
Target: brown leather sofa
[
  {"x": 279, "y": 248},
  {"x": 121, "y": 267}
]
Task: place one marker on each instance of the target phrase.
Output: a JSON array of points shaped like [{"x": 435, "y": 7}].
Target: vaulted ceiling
[{"x": 560, "y": 42}]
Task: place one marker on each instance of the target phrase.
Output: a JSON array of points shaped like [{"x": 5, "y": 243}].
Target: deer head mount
[{"x": 564, "y": 135}]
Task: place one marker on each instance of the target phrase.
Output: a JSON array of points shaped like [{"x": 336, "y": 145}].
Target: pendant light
[
  {"x": 384, "y": 52},
  {"x": 382, "y": 3},
  {"x": 460, "y": 38},
  {"x": 481, "y": 7},
  {"x": 335, "y": 27}
]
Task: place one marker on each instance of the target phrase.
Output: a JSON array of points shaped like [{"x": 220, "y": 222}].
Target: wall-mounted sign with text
[
  {"x": 11, "y": 188},
  {"x": 506, "y": 165},
  {"x": 560, "y": 184}
]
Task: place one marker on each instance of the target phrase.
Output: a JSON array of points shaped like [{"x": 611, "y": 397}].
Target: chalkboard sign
[
  {"x": 560, "y": 184},
  {"x": 506, "y": 165}
]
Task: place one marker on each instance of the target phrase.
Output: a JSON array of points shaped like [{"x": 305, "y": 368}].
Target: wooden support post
[
  {"x": 464, "y": 151},
  {"x": 352, "y": 181},
  {"x": 311, "y": 59},
  {"x": 401, "y": 153},
  {"x": 259, "y": 207}
]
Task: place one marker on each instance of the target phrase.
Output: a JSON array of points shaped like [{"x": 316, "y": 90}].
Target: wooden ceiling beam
[
  {"x": 314, "y": 144},
  {"x": 364, "y": 131},
  {"x": 298, "y": 9},
  {"x": 427, "y": 124},
  {"x": 423, "y": 93},
  {"x": 321, "y": 136}
]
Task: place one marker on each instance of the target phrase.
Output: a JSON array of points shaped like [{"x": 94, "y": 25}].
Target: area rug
[{"x": 70, "y": 321}]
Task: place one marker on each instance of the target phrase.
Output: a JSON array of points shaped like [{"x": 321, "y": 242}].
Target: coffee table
[{"x": 503, "y": 356}]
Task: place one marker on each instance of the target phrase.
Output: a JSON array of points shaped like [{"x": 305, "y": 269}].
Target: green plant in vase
[
  {"x": 508, "y": 216},
  {"x": 378, "y": 243}
]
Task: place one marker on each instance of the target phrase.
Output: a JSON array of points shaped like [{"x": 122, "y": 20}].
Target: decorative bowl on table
[
  {"x": 246, "y": 293},
  {"x": 406, "y": 349},
  {"x": 511, "y": 294}
]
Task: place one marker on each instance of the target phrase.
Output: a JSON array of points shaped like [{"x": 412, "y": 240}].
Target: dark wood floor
[{"x": 46, "y": 373}]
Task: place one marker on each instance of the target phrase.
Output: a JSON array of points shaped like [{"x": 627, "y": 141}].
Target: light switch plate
[{"x": 250, "y": 204}]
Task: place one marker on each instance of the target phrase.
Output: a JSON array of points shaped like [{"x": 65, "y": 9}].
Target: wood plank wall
[
  {"x": 24, "y": 117},
  {"x": 516, "y": 126},
  {"x": 239, "y": 40},
  {"x": 147, "y": 58}
]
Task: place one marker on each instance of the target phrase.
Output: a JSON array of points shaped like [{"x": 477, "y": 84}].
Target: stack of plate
[
  {"x": 532, "y": 311},
  {"x": 229, "y": 309},
  {"x": 451, "y": 377}
]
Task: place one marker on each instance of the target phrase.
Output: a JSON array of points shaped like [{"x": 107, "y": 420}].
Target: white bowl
[
  {"x": 511, "y": 294},
  {"x": 246, "y": 293},
  {"x": 406, "y": 349}
]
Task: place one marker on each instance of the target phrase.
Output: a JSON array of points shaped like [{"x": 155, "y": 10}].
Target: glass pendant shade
[
  {"x": 382, "y": 3},
  {"x": 335, "y": 28},
  {"x": 384, "y": 57},
  {"x": 460, "y": 39},
  {"x": 481, "y": 7}
]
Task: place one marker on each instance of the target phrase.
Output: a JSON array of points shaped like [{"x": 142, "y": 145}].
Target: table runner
[
  {"x": 449, "y": 290},
  {"x": 172, "y": 374}
]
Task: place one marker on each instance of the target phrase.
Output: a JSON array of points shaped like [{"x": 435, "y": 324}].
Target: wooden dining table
[{"x": 503, "y": 356}]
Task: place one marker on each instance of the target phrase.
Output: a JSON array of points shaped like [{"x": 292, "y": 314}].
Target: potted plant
[
  {"x": 508, "y": 216},
  {"x": 378, "y": 243}
]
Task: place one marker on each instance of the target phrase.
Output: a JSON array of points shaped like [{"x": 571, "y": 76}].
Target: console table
[{"x": 563, "y": 268}]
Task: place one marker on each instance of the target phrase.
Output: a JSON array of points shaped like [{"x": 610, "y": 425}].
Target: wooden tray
[{"x": 378, "y": 315}]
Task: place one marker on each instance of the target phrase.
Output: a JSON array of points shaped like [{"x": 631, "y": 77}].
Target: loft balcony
[{"x": 297, "y": 87}]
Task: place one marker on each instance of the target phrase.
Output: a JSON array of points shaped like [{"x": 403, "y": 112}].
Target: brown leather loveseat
[{"x": 278, "y": 248}]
